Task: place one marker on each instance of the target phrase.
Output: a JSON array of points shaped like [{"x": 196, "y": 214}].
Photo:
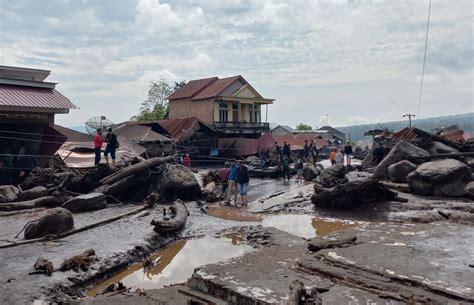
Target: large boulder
[
  {"x": 332, "y": 176},
  {"x": 8, "y": 193},
  {"x": 399, "y": 171},
  {"x": 86, "y": 202},
  {"x": 310, "y": 172},
  {"x": 178, "y": 181},
  {"x": 254, "y": 161},
  {"x": 33, "y": 193},
  {"x": 54, "y": 221},
  {"x": 469, "y": 189},
  {"x": 440, "y": 148},
  {"x": 401, "y": 151},
  {"x": 440, "y": 178}
]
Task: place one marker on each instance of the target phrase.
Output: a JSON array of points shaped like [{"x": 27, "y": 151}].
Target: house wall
[
  {"x": 184, "y": 108},
  {"x": 232, "y": 88}
]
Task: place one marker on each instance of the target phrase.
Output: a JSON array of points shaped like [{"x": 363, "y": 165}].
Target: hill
[{"x": 464, "y": 121}]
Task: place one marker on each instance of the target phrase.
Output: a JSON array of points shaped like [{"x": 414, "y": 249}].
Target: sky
[{"x": 323, "y": 61}]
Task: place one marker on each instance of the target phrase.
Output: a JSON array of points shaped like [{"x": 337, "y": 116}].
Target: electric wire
[{"x": 424, "y": 60}]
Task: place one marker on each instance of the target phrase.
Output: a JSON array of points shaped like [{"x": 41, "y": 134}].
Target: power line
[{"x": 424, "y": 59}]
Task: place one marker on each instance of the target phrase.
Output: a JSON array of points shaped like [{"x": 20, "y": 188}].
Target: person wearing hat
[
  {"x": 223, "y": 175},
  {"x": 112, "y": 144},
  {"x": 98, "y": 142},
  {"x": 232, "y": 188}
]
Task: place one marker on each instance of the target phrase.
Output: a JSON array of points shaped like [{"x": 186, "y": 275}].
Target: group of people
[
  {"x": 337, "y": 156},
  {"x": 234, "y": 178},
  {"x": 111, "y": 146},
  {"x": 15, "y": 167}
]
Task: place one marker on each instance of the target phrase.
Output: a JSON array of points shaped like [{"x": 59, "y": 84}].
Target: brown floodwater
[
  {"x": 306, "y": 226},
  {"x": 232, "y": 213},
  {"x": 176, "y": 262}
]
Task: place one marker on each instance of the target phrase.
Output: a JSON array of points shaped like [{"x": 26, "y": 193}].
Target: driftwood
[
  {"x": 134, "y": 169},
  {"x": 172, "y": 223},
  {"x": 74, "y": 231},
  {"x": 317, "y": 244},
  {"x": 46, "y": 201},
  {"x": 448, "y": 155},
  {"x": 353, "y": 194}
]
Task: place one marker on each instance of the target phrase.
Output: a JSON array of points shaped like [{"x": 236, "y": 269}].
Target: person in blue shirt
[{"x": 232, "y": 191}]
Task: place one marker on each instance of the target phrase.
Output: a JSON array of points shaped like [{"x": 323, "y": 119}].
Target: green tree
[
  {"x": 155, "y": 106},
  {"x": 303, "y": 127}
]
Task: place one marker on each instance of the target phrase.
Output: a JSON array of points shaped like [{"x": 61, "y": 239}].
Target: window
[
  {"x": 235, "y": 106},
  {"x": 223, "y": 112}
]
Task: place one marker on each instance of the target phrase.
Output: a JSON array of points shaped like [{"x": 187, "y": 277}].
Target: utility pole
[{"x": 409, "y": 115}]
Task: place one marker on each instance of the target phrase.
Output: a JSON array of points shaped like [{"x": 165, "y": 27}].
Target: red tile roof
[
  {"x": 216, "y": 88},
  {"x": 22, "y": 96},
  {"x": 192, "y": 88}
]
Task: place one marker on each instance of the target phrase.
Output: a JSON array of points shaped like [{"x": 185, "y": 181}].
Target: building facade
[{"x": 231, "y": 105}]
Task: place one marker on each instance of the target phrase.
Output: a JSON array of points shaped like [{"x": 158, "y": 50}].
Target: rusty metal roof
[
  {"x": 74, "y": 135},
  {"x": 22, "y": 96},
  {"x": 179, "y": 127},
  {"x": 216, "y": 88},
  {"x": 192, "y": 88}
]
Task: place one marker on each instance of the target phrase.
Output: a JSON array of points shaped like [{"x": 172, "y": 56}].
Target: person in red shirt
[
  {"x": 98, "y": 141},
  {"x": 187, "y": 160}
]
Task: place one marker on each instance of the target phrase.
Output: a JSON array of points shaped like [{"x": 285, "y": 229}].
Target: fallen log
[
  {"x": 446, "y": 155},
  {"x": 134, "y": 169},
  {"x": 6, "y": 214},
  {"x": 170, "y": 223},
  {"x": 46, "y": 201},
  {"x": 74, "y": 231}
]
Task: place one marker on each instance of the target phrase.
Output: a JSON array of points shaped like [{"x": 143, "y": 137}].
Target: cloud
[{"x": 358, "y": 61}]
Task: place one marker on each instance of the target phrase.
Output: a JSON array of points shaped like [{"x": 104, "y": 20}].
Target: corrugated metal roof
[
  {"x": 178, "y": 127},
  {"x": 20, "y": 96},
  {"x": 74, "y": 135},
  {"x": 139, "y": 133},
  {"x": 217, "y": 87},
  {"x": 192, "y": 88}
]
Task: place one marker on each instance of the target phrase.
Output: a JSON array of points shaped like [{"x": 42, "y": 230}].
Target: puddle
[
  {"x": 176, "y": 262},
  {"x": 306, "y": 226},
  {"x": 232, "y": 213}
]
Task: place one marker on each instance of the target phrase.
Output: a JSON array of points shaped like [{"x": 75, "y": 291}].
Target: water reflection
[
  {"x": 232, "y": 213},
  {"x": 176, "y": 262},
  {"x": 306, "y": 226}
]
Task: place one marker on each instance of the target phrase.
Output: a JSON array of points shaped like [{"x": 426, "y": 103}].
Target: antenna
[
  {"x": 409, "y": 115},
  {"x": 97, "y": 122}
]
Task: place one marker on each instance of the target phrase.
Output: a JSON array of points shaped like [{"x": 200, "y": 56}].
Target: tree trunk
[{"x": 46, "y": 201}]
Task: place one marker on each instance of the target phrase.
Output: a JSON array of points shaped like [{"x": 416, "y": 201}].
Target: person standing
[
  {"x": 285, "y": 167},
  {"x": 286, "y": 149},
  {"x": 276, "y": 152},
  {"x": 348, "y": 153},
  {"x": 187, "y": 161},
  {"x": 232, "y": 188},
  {"x": 223, "y": 175},
  {"x": 306, "y": 149},
  {"x": 339, "y": 157},
  {"x": 299, "y": 170},
  {"x": 111, "y": 147},
  {"x": 332, "y": 157},
  {"x": 243, "y": 181},
  {"x": 98, "y": 141}
]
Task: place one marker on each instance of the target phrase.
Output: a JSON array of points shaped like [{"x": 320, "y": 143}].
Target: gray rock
[
  {"x": 399, "y": 171},
  {"x": 254, "y": 161},
  {"x": 440, "y": 148},
  {"x": 8, "y": 193},
  {"x": 310, "y": 172},
  {"x": 332, "y": 176},
  {"x": 401, "y": 151},
  {"x": 469, "y": 189},
  {"x": 178, "y": 181},
  {"x": 86, "y": 202},
  {"x": 33, "y": 193},
  {"x": 440, "y": 178},
  {"x": 54, "y": 221}
]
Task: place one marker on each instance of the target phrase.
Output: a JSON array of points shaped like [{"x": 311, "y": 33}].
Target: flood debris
[
  {"x": 352, "y": 194},
  {"x": 299, "y": 295},
  {"x": 53, "y": 221},
  {"x": 86, "y": 202},
  {"x": 79, "y": 262},
  {"x": 43, "y": 266},
  {"x": 174, "y": 218},
  {"x": 317, "y": 244}
]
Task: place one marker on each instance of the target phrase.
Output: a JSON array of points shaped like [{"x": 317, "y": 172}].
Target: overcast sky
[{"x": 358, "y": 61}]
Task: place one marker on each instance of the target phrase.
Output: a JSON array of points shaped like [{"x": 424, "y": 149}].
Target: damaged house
[{"x": 28, "y": 105}]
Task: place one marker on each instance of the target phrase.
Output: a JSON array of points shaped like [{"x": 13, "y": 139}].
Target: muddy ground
[{"x": 388, "y": 233}]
